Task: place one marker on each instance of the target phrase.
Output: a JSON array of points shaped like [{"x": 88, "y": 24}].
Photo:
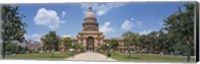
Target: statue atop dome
[
  {"x": 90, "y": 14},
  {"x": 90, "y": 22},
  {"x": 90, "y": 9}
]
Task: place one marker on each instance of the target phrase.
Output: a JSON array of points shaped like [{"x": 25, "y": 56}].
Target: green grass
[
  {"x": 41, "y": 56},
  {"x": 148, "y": 57}
]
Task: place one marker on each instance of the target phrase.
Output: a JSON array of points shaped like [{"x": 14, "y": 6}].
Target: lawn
[
  {"x": 148, "y": 57},
  {"x": 41, "y": 56}
]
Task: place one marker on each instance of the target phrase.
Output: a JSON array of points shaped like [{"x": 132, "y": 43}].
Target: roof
[
  {"x": 90, "y": 14},
  {"x": 120, "y": 38}
]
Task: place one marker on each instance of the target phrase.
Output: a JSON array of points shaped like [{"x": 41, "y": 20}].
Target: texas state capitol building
[{"x": 90, "y": 37}]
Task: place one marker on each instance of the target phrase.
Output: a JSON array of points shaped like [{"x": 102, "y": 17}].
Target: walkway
[{"x": 90, "y": 56}]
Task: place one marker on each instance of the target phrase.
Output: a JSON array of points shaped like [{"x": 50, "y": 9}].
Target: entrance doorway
[{"x": 90, "y": 44}]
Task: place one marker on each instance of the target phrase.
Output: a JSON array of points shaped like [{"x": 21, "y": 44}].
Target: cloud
[
  {"x": 101, "y": 8},
  {"x": 101, "y": 12},
  {"x": 63, "y": 14},
  {"x": 35, "y": 37},
  {"x": 63, "y": 21},
  {"x": 129, "y": 24},
  {"x": 47, "y": 18},
  {"x": 67, "y": 35},
  {"x": 106, "y": 27},
  {"x": 145, "y": 32},
  {"x": 132, "y": 19},
  {"x": 138, "y": 24}
]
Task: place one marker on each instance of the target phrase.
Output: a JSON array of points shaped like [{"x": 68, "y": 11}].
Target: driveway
[{"x": 90, "y": 56}]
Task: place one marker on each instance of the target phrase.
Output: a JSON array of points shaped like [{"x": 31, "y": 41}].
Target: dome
[
  {"x": 90, "y": 22},
  {"x": 90, "y": 14}
]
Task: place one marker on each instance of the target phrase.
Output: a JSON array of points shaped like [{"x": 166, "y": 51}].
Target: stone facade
[
  {"x": 90, "y": 37},
  {"x": 34, "y": 46}
]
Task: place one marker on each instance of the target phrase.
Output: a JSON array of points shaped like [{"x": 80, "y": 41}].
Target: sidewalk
[{"x": 90, "y": 56}]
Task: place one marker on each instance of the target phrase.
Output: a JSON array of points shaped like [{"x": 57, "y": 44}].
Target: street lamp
[
  {"x": 188, "y": 53},
  {"x": 73, "y": 49},
  {"x": 72, "y": 44},
  {"x": 108, "y": 54},
  {"x": 107, "y": 44}
]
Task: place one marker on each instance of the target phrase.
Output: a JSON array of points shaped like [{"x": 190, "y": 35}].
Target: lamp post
[
  {"x": 73, "y": 49},
  {"x": 188, "y": 53},
  {"x": 3, "y": 49},
  {"x": 108, "y": 54}
]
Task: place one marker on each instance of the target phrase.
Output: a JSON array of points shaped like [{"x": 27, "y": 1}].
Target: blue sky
[{"x": 114, "y": 18}]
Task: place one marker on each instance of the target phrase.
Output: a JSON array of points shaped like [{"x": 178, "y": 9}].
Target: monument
[{"x": 90, "y": 37}]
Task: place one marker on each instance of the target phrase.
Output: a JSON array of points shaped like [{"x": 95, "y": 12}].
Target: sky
[{"x": 114, "y": 18}]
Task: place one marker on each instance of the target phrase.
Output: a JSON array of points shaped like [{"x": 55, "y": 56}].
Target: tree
[
  {"x": 19, "y": 49},
  {"x": 145, "y": 42},
  {"x": 113, "y": 43},
  {"x": 11, "y": 47},
  {"x": 103, "y": 47},
  {"x": 180, "y": 26},
  {"x": 26, "y": 48},
  {"x": 77, "y": 46},
  {"x": 167, "y": 44},
  {"x": 51, "y": 41},
  {"x": 131, "y": 39},
  {"x": 153, "y": 40},
  {"x": 67, "y": 42},
  {"x": 13, "y": 28}
]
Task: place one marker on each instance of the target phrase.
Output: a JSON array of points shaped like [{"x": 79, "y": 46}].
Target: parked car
[
  {"x": 184, "y": 54},
  {"x": 22, "y": 52},
  {"x": 8, "y": 53}
]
